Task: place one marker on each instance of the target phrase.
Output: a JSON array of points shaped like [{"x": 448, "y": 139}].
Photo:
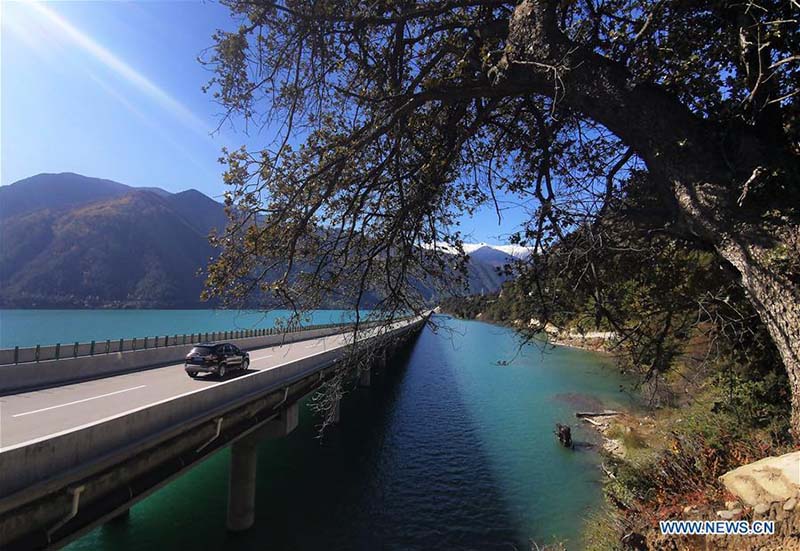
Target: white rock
[
  {"x": 761, "y": 509},
  {"x": 790, "y": 504},
  {"x": 770, "y": 479}
]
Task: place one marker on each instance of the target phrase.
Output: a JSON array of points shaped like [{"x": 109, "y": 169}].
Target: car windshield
[{"x": 202, "y": 350}]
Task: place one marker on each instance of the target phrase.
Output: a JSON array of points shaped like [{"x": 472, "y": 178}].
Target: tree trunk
[
  {"x": 777, "y": 302},
  {"x": 754, "y": 251}
]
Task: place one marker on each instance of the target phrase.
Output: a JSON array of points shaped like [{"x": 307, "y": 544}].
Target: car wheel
[
  {"x": 192, "y": 374},
  {"x": 246, "y": 364},
  {"x": 221, "y": 371}
]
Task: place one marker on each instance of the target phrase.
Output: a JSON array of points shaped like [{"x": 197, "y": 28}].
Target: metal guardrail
[{"x": 59, "y": 351}]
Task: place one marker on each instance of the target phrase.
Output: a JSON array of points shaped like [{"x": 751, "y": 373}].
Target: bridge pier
[
  {"x": 242, "y": 484},
  {"x": 244, "y": 462}
]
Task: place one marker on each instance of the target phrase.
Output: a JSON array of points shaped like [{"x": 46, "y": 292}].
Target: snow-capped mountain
[
  {"x": 486, "y": 263},
  {"x": 514, "y": 251}
]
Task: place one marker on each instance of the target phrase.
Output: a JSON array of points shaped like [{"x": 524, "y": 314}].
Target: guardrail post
[
  {"x": 16, "y": 354},
  {"x": 121, "y": 345},
  {"x": 108, "y": 346},
  {"x": 91, "y": 349},
  {"x": 38, "y": 347},
  {"x": 145, "y": 343},
  {"x": 75, "y": 350},
  {"x": 58, "y": 351},
  {"x": 133, "y": 343}
]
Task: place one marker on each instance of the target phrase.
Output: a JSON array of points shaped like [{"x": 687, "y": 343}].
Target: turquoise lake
[
  {"x": 46, "y": 327},
  {"x": 449, "y": 449}
]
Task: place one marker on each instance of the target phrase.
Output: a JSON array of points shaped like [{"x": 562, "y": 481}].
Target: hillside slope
[
  {"x": 70, "y": 241},
  {"x": 134, "y": 250}
]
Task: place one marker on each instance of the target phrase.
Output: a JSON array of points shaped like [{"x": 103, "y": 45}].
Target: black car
[{"x": 216, "y": 358}]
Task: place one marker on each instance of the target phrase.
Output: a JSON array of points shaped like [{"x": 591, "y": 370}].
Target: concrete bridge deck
[
  {"x": 45, "y": 413},
  {"x": 74, "y": 456}
]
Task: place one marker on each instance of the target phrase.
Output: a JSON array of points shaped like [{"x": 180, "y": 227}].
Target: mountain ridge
[{"x": 73, "y": 241}]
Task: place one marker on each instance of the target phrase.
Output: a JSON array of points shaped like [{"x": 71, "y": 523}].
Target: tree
[{"x": 394, "y": 115}]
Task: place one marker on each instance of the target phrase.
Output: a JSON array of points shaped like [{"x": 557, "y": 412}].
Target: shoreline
[{"x": 638, "y": 444}]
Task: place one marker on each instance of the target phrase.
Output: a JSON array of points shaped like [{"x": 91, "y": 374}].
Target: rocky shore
[{"x": 768, "y": 489}]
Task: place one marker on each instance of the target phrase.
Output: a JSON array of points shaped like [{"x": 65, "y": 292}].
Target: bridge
[{"x": 80, "y": 445}]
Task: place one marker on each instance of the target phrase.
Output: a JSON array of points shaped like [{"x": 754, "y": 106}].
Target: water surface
[
  {"x": 46, "y": 327},
  {"x": 447, "y": 450}
]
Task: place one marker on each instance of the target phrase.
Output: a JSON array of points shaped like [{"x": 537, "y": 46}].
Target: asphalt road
[{"x": 33, "y": 415}]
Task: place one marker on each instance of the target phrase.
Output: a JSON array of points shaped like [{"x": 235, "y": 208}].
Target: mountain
[
  {"x": 510, "y": 251},
  {"x": 69, "y": 241},
  {"x": 486, "y": 268},
  {"x": 59, "y": 191},
  {"x": 199, "y": 210},
  {"x": 513, "y": 251}
]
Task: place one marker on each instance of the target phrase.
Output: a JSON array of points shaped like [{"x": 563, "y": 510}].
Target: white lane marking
[
  {"x": 261, "y": 357},
  {"x": 315, "y": 345},
  {"x": 31, "y": 441},
  {"x": 78, "y": 401}
]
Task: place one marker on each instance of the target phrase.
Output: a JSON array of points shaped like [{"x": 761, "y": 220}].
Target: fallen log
[{"x": 585, "y": 414}]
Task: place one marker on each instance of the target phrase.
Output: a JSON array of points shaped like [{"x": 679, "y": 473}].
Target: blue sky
[{"x": 113, "y": 90}]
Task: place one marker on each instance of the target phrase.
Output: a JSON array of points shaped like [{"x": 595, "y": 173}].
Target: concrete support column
[
  {"x": 365, "y": 378},
  {"x": 244, "y": 459},
  {"x": 282, "y": 425},
  {"x": 242, "y": 484}
]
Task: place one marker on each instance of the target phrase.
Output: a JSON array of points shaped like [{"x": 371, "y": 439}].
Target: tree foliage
[{"x": 392, "y": 118}]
